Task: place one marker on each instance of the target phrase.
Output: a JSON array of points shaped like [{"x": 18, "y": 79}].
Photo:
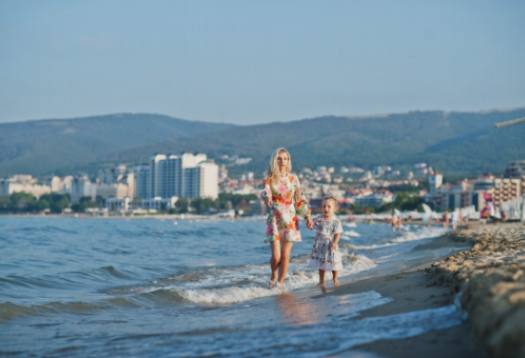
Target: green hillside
[
  {"x": 458, "y": 143},
  {"x": 62, "y": 145}
]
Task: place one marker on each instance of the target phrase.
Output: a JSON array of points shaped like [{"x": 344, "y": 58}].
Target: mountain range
[{"x": 456, "y": 143}]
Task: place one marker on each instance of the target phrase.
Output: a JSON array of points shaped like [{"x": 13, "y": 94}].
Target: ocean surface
[{"x": 80, "y": 287}]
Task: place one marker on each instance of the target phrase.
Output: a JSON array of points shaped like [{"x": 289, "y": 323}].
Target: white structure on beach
[{"x": 514, "y": 209}]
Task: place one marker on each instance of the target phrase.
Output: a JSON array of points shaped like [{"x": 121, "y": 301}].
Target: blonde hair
[{"x": 273, "y": 170}]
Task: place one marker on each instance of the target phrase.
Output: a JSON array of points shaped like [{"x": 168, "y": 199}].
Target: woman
[{"x": 282, "y": 196}]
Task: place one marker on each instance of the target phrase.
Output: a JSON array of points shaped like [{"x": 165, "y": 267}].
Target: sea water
[{"x": 81, "y": 287}]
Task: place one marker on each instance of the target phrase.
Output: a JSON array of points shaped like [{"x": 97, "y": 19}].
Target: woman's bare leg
[
  {"x": 275, "y": 261},
  {"x": 286, "y": 249}
]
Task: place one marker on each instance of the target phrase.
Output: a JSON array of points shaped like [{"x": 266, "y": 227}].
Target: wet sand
[
  {"x": 413, "y": 290},
  {"x": 490, "y": 280}
]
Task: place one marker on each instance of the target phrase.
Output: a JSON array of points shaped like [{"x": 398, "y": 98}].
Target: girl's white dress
[{"x": 324, "y": 257}]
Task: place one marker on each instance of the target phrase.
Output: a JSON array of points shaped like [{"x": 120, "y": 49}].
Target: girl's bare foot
[{"x": 336, "y": 283}]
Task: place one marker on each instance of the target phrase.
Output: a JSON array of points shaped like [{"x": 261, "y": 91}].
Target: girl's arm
[
  {"x": 338, "y": 230},
  {"x": 335, "y": 241}
]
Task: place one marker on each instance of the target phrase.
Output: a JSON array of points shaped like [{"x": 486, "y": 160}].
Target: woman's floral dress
[
  {"x": 286, "y": 204},
  {"x": 324, "y": 257}
]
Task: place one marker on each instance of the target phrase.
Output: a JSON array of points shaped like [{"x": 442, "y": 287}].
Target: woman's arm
[
  {"x": 266, "y": 194},
  {"x": 301, "y": 206}
]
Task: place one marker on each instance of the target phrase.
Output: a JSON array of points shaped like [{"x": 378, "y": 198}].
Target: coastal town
[
  {"x": 193, "y": 183},
  {"x": 262, "y": 179}
]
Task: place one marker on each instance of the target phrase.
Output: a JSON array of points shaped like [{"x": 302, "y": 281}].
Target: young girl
[{"x": 325, "y": 252}]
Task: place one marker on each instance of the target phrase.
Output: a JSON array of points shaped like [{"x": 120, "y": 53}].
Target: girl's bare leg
[
  {"x": 286, "y": 249},
  {"x": 336, "y": 280},
  {"x": 321, "y": 278},
  {"x": 275, "y": 261}
]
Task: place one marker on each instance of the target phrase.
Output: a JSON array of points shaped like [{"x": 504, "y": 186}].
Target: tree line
[
  {"x": 25, "y": 203},
  {"x": 20, "y": 203}
]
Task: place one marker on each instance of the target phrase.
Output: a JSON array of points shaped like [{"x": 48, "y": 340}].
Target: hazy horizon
[{"x": 257, "y": 62}]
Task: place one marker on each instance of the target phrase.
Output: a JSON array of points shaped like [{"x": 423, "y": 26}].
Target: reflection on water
[{"x": 297, "y": 311}]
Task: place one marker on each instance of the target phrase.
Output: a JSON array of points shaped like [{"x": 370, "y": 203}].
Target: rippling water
[{"x": 106, "y": 287}]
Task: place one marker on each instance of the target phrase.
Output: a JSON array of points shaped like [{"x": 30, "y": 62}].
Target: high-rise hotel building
[
  {"x": 506, "y": 189},
  {"x": 143, "y": 182},
  {"x": 187, "y": 176}
]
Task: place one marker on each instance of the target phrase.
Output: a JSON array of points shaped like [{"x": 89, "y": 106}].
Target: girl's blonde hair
[
  {"x": 333, "y": 199},
  {"x": 273, "y": 170}
]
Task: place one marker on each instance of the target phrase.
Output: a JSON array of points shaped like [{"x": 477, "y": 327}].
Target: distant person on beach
[
  {"x": 455, "y": 219},
  {"x": 325, "y": 250},
  {"x": 446, "y": 220},
  {"x": 284, "y": 201},
  {"x": 395, "y": 220}
]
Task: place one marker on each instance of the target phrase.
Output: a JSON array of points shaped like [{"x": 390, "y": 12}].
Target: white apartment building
[
  {"x": 158, "y": 174},
  {"x": 61, "y": 185},
  {"x": 187, "y": 175},
  {"x": 116, "y": 190},
  {"x": 81, "y": 187},
  {"x": 22, "y": 183},
  {"x": 208, "y": 180},
  {"x": 435, "y": 182}
]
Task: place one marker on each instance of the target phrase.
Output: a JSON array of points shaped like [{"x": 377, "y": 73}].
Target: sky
[{"x": 258, "y": 61}]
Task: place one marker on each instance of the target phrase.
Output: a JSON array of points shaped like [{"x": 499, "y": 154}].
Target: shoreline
[
  {"x": 178, "y": 217},
  {"x": 358, "y": 219},
  {"x": 412, "y": 290},
  {"x": 487, "y": 280}
]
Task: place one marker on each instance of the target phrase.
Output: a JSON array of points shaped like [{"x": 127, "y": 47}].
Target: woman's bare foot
[
  {"x": 273, "y": 279},
  {"x": 272, "y": 283},
  {"x": 336, "y": 283}
]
